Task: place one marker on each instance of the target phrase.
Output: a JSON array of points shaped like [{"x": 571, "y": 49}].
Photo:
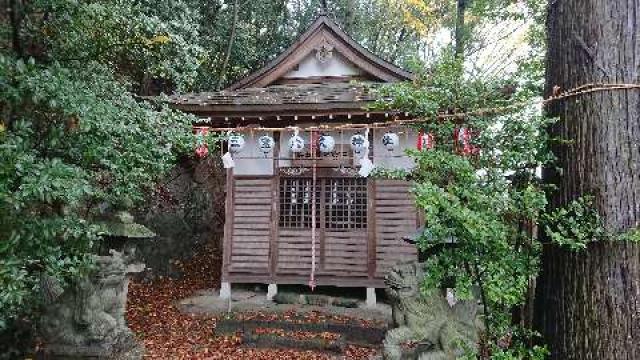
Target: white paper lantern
[
  {"x": 296, "y": 144},
  {"x": 359, "y": 144},
  {"x": 266, "y": 144},
  {"x": 236, "y": 143},
  {"x": 326, "y": 144},
  {"x": 390, "y": 141}
]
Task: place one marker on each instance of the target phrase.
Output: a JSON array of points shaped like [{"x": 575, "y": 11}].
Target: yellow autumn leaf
[
  {"x": 418, "y": 15},
  {"x": 158, "y": 40},
  {"x": 2, "y": 127}
]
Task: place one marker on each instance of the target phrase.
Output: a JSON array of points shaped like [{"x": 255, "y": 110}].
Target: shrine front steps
[{"x": 327, "y": 336}]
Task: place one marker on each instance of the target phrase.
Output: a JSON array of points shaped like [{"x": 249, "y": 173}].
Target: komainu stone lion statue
[
  {"x": 428, "y": 327},
  {"x": 88, "y": 320}
]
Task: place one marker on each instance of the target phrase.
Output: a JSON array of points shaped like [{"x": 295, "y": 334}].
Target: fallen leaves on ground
[
  {"x": 306, "y": 317},
  {"x": 167, "y": 333},
  {"x": 298, "y": 335}
]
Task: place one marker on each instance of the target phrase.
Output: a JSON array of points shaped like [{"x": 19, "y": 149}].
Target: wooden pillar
[
  {"x": 371, "y": 228},
  {"x": 275, "y": 211},
  {"x": 228, "y": 226}
]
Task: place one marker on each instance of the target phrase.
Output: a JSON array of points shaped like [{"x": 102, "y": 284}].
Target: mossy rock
[
  {"x": 345, "y": 302},
  {"x": 317, "y": 300},
  {"x": 286, "y": 298}
]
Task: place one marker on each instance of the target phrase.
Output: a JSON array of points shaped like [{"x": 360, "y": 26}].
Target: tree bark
[
  {"x": 15, "y": 9},
  {"x": 324, "y": 9},
  {"x": 460, "y": 33},
  {"x": 588, "y": 303},
  {"x": 349, "y": 16},
  {"x": 232, "y": 39}
]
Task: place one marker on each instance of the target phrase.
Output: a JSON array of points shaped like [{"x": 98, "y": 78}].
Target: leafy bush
[
  {"x": 484, "y": 204},
  {"x": 75, "y": 143}
]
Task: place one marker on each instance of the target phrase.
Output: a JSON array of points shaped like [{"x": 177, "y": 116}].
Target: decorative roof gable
[{"x": 323, "y": 53}]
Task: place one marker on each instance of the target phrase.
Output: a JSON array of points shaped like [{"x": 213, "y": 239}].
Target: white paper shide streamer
[
  {"x": 227, "y": 161},
  {"x": 366, "y": 165}
]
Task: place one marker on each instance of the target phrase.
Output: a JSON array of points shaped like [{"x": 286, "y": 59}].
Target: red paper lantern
[
  {"x": 425, "y": 141},
  {"x": 464, "y": 145},
  {"x": 202, "y": 150}
]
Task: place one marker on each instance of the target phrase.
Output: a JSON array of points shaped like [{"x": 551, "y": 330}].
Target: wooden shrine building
[{"x": 282, "y": 200}]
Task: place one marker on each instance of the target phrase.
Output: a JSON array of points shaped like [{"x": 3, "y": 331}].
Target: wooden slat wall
[
  {"x": 342, "y": 256},
  {"x": 252, "y": 221},
  {"x": 395, "y": 217},
  {"x": 345, "y": 253},
  {"x": 294, "y": 252}
]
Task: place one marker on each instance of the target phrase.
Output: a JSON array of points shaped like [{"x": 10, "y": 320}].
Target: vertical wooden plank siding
[{"x": 396, "y": 217}]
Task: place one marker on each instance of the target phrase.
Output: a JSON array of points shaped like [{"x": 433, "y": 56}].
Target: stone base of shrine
[
  {"x": 282, "y": 298},
  {"x": 272, "y": 292}
]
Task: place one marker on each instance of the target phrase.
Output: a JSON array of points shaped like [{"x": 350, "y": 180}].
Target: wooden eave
[
  {"x": 289, "y": 118},
  {"x": 323, "y": 29}
]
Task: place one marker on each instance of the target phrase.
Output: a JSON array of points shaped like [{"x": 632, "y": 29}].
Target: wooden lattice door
[{"x": 341, "y": 226}]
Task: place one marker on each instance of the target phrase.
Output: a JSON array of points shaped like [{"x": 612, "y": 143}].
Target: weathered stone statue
[
  {"x": 87, "y": 320},
  {"x": 428, "y": 327}
]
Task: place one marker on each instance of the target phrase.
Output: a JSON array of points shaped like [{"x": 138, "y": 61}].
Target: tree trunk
[
  {"x": 324, "y": 9},
  {"x": 460, "y": 34},
  {"x": 588, "y": 303},
  {"x": 15, "y": 10},
  {"x": 232, "y": 39},
  {"x": 349, "y": 16}
]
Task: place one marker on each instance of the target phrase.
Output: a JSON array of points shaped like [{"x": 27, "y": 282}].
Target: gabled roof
[{"x": 323, "y": 30}]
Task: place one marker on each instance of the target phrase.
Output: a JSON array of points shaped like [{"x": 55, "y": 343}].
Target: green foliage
[
  {"x": 575, "y": 225},
  {"x": 77, "y": 142},
  {"x": 141, "y": 40},
  {"x": 485, "y": 204},
  {"x": 578, "y": 224},
  {"x": 382, "y": 173},
  {"x": 535, "y": 352},
  {"x": 632, "y": 235}
]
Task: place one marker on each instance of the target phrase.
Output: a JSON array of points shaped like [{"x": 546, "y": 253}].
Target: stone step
[
  {"x": 352, "y": 332},
  {"x": 284, "y": 340}
]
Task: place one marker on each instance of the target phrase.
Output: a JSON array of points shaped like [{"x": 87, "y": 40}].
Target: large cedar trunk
[{"x": 587, "y": 304}]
